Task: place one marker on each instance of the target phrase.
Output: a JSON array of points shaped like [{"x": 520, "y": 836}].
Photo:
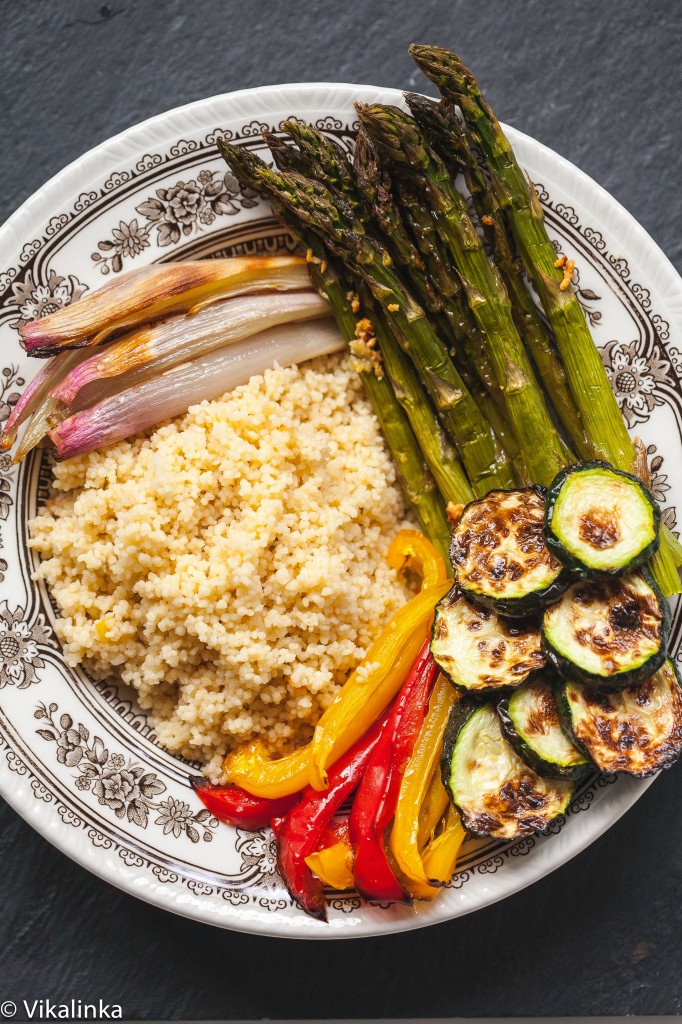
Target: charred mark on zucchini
[
  {"x": 637, "y": 731},
  {"x": 532, "y": 725},
  {"x": 496, "y": 793},
  {"x": 601, "y": 520},
  {"x": 499, "y": 555},
  {"x": 599, "y": 529},
  {"x": 610, "y": 632},
  {"x": 480, "y": 651}
]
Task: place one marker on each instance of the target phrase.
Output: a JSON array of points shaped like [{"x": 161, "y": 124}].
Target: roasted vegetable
[
  {"x": 399, "y": 138},
  {"x": 150, "y": 403},
  {"x": 332, "y": 862},
  {"x": 637, "y": 731},
  {"x": 601, "y": 520},
  {"x": 610, "y": 632},
  {"x": 151, "y": 350},
  {"x": 235, "y": 806},
  {"x": 499, "y": 555},
  {"x": 150, "y": 293},
  {"x": 601, "y": 418},
  {"x": 420, "y": 806},
  {"x": 375, "y": 802},
  {"x": 481, "y": 652},
  {"x": 531, "y": 724},
  {"x": 496, "y": 793},
  {"x": 412, "y": 554},
  {"x": 301, "y": 832},
  {"x": 366, "y": 693}
]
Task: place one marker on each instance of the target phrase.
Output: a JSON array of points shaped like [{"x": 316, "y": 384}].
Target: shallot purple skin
[
  {"x": 154, "y": 401},
  {"x": 153, "y": 349},
  {"x": 145, "y": 323}
]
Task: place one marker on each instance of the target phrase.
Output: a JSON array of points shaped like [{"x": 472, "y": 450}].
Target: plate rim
[{"x": 75, "y": 176}]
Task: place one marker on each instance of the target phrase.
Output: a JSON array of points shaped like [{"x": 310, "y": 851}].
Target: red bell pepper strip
[
  {"x": 375, "y": 801},
  {"x": 235, "y": 806},
  {"x": 302, "y": 831}
]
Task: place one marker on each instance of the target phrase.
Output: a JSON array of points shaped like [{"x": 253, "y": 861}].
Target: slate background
[{"x": 598, "y": 82}]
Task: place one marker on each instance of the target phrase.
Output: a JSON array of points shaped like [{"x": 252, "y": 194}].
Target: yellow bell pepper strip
[
  {"x": 440, "y": 856},
  {"x": 411, "y": 552},
  {"x": 432, "y": 810},
  {"x": 356, "y": 706},
  {"x": 332, "y": 862},
  {"x": 252, "y": 768},
  {"x": 407, "y": 837},
  {"x": 369, "y": 689},
  {"x": 334, "y": 865}
]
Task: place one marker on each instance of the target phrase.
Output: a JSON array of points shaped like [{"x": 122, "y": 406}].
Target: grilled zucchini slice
[
  {"x": 495, "y": 792},
  {"x": 478, "y": 650},
  {"x": 610, "y": 632},
  {"x": 637, "y": 731},
  {"x": 531, "y": 724},
  {"x": 601, "y": 520},
  {"x": 499, "y": 555}
]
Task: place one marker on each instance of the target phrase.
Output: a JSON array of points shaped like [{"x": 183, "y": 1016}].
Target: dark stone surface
[{"x": 600, "y": 83}]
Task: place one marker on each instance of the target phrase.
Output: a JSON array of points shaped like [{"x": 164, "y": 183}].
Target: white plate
[{"x": 159, "y": 192}]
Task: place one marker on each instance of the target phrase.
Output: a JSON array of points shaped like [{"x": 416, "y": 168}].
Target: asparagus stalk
[
  {"x": 467, "y": 336},
  {"x": 398, "y": 135},
  {"x": 319, "y": 158},
  {"x": 589, "y": 383},
  {"x": 450, "y": 311},
  {"x": 446, "y": 133},
  {"x": 417, "y": 482},
  {"x": 374, "y": 188},
  {"x": 486, "y": 464},
  {"x": 329, "y": 163},
  {"x": 437, "y": 449},
  {"x": 516, "y": 195}
]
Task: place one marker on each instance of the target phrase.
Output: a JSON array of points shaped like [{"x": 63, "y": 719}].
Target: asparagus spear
[
  {"x": 362, "y": 185},
  {"x": 486, "y": 464},
  {"x": 446, "y": 133},
  {"x": 439, "y": 453},
  {"x": 398, "y": 135},
  {"x": 516, "y": 195},
  {"x": 331, "y": 163},
  {"x": 437, "y": 449},
  {"x": 321, "y": 159},
  {"x": 450, "y": 311},
  {"x": 416, "y": 481},
  {"x": 589, "y": 383},
  {"x": 374, "y": 186}
]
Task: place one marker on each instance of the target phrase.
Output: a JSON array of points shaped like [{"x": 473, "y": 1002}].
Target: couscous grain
[{"x": 230, "y": 565}]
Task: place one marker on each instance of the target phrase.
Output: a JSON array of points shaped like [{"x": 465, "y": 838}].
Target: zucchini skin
[
  {"x": 571, "y": 560},
  {"x": 547, "y": 769},
  {"x": 567, "y": 669},
  {"x": 620, "y": 748},
  {"x": 522, "y": 607},
  {"x": 565, "y": 716},
  {"x": 459, "y": 716}
]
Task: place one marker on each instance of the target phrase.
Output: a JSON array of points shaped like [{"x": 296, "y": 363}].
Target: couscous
[{"x": 230, "y": 565}]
